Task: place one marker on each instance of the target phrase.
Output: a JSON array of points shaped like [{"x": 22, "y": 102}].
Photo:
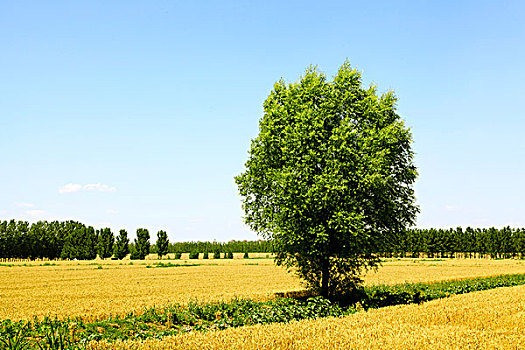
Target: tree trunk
[{"x": 325, "y": 277}]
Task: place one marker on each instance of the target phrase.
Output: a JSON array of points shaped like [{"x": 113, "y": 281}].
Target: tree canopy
[{"x": 329, "y": 177}]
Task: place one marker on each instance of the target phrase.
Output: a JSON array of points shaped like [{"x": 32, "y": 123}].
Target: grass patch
[{"x": 169, "y": 264}]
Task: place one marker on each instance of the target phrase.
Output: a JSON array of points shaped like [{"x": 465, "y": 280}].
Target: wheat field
[
  {"x": 97, "y": 289},
  {"x": 493, "y": 319}
]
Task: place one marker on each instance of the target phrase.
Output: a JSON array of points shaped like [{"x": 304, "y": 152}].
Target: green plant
[
  {"x": 246, "y": 256},
  {"x": 229, "y": 255},
  {"x": 169, "y": 264},
  {"x": 57, "y": 335},
  {"x": 14, "y": 335},
  {"x": 194, "y": 255},
  {"x": 205, "y": 255},
  {"x": 216, "y": 254}
]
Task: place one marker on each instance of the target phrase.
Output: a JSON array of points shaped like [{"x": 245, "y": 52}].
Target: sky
[{"x": 129, "y": 114}]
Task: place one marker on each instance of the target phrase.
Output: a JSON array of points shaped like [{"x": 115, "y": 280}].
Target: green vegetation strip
[
  {"x": 160, "y": 264},
  {"x": 176, "y": 319}
]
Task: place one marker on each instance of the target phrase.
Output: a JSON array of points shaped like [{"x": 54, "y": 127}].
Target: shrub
[
  {"x": 246, "y": 256},
  {"x": 230, "y": 255},
  {"x": 216, "y": 254},
  {"x": 135, "y": 255},
  {"x": 194, "y": 255},
  {"x": 205, "y": 255},
  {"x": 178, "y": 255}
]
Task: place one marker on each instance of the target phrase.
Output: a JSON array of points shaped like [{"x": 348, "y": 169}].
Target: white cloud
[
  {"x": 70, "y": 188},
  {"x": 99, "y": 188},
  {"x": 24, "y": 205},
  {"x": 111, "y": 211},
  {"x": 36, "y": 213}
]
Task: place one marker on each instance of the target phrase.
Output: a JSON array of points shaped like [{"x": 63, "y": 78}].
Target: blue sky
[{"x": 135, "y": 114}]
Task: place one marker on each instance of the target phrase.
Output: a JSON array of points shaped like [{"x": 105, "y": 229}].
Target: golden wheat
[
  {"x": 96, "y": 289},
  {"x": 396, "y": 271},
  {"x": 493, "y": 319}
]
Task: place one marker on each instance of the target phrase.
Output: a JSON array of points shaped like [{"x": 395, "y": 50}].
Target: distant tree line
[
  {"x": 491, "y": 242},
  {"x": 74, "y": 240},
  {"x": 68, "y": 240},
  {"x": 233, "y": 246}
]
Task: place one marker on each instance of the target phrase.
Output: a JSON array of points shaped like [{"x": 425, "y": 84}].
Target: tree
[
  {"x": 329, "y": 177},
  {"x": 106, "y": 239},
  {"x": 10, "y": 239},
  {"x": 41, "y": 240},
  {"x": 80, "y": 242},
  {"x": 162, "y": 243},
  {"x": 142, "y": 243},
  {"x": 3, "y": 239},
  {"x": 121, "y": 246}
]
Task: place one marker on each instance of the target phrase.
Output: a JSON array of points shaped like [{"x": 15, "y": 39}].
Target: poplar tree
[
  {"x": 121, "y": 246},
  {"x": 142, "y": 243},
  {"x": 162, "y": 243},
  {"x": 106, "y": 239}
]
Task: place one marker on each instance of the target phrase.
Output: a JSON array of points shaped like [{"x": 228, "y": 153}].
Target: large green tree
[{"x": 329, "y": 177}]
